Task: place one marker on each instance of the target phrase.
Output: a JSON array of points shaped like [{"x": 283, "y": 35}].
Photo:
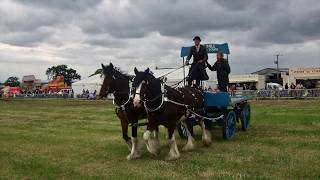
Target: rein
[
  {"x": 162, "y": 96},
  {"x": 166, "y": 99},
  {"x": 176, "y": 69},
  {"x": 122, "y": 106},
  {"x": 177, "y": 84}
]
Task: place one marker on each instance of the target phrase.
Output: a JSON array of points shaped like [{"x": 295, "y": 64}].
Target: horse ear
[
  {"x": 147, "y": 70},
  {"x": 136, "y": 70},
  {"x": 103, "y": 67},
  {"x": 111, "y": 65}
]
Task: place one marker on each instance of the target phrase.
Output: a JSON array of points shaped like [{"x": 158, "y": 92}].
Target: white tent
[{"x": 91, "y": 83}]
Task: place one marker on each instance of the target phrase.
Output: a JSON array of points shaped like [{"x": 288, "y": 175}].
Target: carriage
[
  {"x": 221, "y": 109},
  {"x": 150, "y": 98}
]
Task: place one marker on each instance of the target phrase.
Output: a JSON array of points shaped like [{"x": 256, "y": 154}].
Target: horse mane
[{"x": 119, "y": 71}]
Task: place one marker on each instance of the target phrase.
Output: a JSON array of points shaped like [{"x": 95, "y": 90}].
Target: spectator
[
  {"x": 253, "y": 87},
  {"x": 286, "y": 86},
  {"x": 245, "y": 87}
]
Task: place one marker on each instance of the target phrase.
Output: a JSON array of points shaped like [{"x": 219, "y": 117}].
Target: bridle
[
  {"x": 122, "y": 106},
  {"x": 144, "y": 100},
  {"x": 164, "y": 99}
]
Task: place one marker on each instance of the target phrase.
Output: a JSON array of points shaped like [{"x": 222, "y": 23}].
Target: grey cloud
[
  {"x": 74, "y": 5},
  {"x": 29, "y": 39},
  {"x": 151, "y": 32},
  {"x": 265, "y": 21}
]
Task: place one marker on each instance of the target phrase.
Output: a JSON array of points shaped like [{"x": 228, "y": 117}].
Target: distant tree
[
  {"x": 12, "y": 82},
  {"x": 68, "y": 73},
  {"x": 98, "y": 71}
]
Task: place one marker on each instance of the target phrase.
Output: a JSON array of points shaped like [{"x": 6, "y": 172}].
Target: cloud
[
  {"x": 150, "y": 32},
  {"x": 71, "y": 5}
]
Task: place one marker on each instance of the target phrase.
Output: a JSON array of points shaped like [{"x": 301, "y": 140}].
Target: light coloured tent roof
[
  {"x": 96, "y": 79},
  {"x": 91, "y": 84}
]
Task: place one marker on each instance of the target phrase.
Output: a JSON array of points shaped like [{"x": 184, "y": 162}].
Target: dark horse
[
  {"x": 167, "y": 106},
  {"x": 117, "y": 83}
]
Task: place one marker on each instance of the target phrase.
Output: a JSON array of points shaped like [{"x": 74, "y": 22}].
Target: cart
[{"x": 231, "y": 109}]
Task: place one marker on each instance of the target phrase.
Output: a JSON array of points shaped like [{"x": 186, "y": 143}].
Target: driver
[{"x": 198, "y": 67}]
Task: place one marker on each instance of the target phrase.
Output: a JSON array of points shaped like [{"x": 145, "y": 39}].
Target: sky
[{"x": 37, "y": 34}]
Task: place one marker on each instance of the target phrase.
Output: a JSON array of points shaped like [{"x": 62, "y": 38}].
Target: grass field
[{"x": 61, "y": 139}]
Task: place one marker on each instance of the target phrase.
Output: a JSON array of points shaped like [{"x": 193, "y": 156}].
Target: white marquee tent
[{"x": 91, "y": 83}]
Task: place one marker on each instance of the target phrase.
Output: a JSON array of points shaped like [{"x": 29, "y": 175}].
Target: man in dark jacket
[
  {"x": 198, "y": 67},
  {"x": 223, "y": 70}
]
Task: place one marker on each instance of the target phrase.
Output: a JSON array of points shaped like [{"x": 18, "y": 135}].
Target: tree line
[{"x": 69, "y": 75}]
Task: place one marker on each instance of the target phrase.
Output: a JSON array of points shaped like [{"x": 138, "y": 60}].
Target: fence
[
  {"x": 257, "y": 94},
  {"x": 49, "y": 96},
  {"x": 57, "y": 96},
  {"x": 277, "y": 94}
]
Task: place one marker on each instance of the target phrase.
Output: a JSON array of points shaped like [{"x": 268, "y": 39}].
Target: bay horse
[
  {"x": 167, "y": 106},
  {"x": 117, "y": 83}
]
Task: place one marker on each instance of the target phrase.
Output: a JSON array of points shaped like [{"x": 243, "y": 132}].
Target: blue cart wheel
[
  {"x": 229, "y": 125},
  {"x": 245, "y": 117}
]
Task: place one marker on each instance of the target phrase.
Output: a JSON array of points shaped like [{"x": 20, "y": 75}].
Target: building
[
  {"x": 249, "y": 81},
  {"x": 30, "y": 83},
  {"x": 273, "y": 75},
  {"x": 308, "y": 77}
]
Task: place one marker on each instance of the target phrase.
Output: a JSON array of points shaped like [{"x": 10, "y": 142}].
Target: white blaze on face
[{"x": 137, "y": 98}]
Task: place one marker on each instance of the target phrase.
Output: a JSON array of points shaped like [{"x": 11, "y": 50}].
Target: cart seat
[{"x": 218, "y": 100}]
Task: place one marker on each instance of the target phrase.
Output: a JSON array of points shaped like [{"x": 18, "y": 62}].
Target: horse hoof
[
  {"x": 207, "y": 142},
  {"x": 155, "y": 153},
  {"x": 129, "y": 143},
  {"x": 133, "y": 156},
  {"x": 153, "y": 147},
  {"x": 172, "y": 158},
  {"x": 188, "y": 148}
]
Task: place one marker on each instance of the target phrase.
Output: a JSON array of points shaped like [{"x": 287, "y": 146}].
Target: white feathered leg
[
  {"x": 152, "y": 142},
  {"x": 135, "y": 153},
  {"x": 206, "y": 134},
  {"x": 173, "y": 152},
  {"x": 129, "y": 143},
  {"x": 191, "y": 142}
]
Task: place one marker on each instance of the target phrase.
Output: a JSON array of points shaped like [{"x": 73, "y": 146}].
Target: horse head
[
  {"x": 143, "y": 84},
  {"x": 108, "y": 85}
]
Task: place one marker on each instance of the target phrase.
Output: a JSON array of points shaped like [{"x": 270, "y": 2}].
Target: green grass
[{"x": 60, "y": 139}]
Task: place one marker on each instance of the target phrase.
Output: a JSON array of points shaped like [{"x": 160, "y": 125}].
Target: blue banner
[{"x": 211, "y": 48}]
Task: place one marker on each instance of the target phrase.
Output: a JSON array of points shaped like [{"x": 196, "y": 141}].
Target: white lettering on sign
[
  {"x": 211, "y": 48},
  {"x": 305, "y": 71}
]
